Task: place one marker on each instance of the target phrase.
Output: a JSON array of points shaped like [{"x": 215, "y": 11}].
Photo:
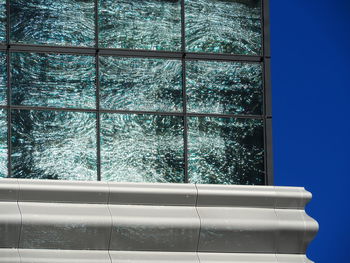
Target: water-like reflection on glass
[
  {"x": 141, "y": 148},
  {"x": 3, "y": 79},
  {"x": 2, "y": 20},
  {"x": 53, "y": 80},
  {"x": 223, "y": 26},
  {"x": 53, "y": 145},
  {"x": 147, "y": 24},
  {"x": 225, "y": 151},
  {"x": 224, "y": 87},
  {"x": 64, "y": 22},
  {"x": 140, "y": 84},
  {"x": 3, "y": 143}
]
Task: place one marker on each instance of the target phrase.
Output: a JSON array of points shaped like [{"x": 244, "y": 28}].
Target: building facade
[{"x": 140, "y": 131}]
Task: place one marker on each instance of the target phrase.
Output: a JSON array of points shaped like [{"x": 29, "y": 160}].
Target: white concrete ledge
[{"x": 66, "y": 221}]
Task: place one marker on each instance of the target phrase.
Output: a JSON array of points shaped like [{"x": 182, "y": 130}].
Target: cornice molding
[{"x": 68, "y": 221}]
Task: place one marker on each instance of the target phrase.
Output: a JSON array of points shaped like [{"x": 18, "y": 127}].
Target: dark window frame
[{"x": 264, "y": 58}]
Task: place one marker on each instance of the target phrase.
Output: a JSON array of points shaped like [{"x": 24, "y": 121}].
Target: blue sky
[{"x": 310, "y": 46}]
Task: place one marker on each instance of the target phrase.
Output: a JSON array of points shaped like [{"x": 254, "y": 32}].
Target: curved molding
[{"x": 65, "y": 221}]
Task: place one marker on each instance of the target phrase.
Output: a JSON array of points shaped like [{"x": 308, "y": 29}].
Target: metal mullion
[
  {"x": 185, "y": 116},
  {"x": 9, "y": 115},
  {"x": 184, "y": 96},
  {"x": 98, "y": 119},
  {"x": 140, "y": 53},
  {"x": 132, "y": 53},
  {"x": 52, "y": 49},
  {"x": 269, "y": 152},
  {"x": 97, "y": 76},
  {"x": 96, "y": 25},
  {"x": 262, "y": 27},
  {"x": 267, "y": 111},
  {"x": 267, "y": 124},
  {"x": 266, "y": 28},
  {"x": 8, "y": 86},
  {"x": 267, "y": 87},
  {"x": 266, "y": 179},
  {"x": 223, "y": 57},
  {"x": 183, "y": 29}
]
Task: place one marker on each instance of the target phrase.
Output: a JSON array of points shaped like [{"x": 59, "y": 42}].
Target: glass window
[
  {"x": 3, "y": 143},
  {"x": 53, "y": 80},
  {"x": 65, "y": 22},
  {"x": 147, "y": 24},
  {"x": 223, "y": 26},
  {"x": 225, "y": 151},
  {"x": 126, "y": 91},
  {"x": 140, "y": 84},
  {"x": 3, "y": 79},
  {"x": 224, "y": 87},
  {"x": 142, "y": 148},
  {"x": 53, "y": 145},
  {"x": 2, "y": 20}
]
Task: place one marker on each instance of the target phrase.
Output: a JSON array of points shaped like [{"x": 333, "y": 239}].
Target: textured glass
[
  {"x": 2, "y": 20},
  {"x": 223, "y": 26},
  {"x": 225, "y": 151},
  {"x": 141, "y": 148},
  {"x": 146, "y": 24},
  {"x": 3, "y": 79},
  {"x": 140, "y": 84},
  {"x": 224, "y": 87},
  {"x": 64, "y": 22},
  {"x": 3, "y": 143},
  {"x": 54, "y": 145},
  {"x": 53, "y": 80}
]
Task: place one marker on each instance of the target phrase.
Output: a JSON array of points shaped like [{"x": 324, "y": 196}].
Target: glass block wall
[{"x": 135, "y": 91}]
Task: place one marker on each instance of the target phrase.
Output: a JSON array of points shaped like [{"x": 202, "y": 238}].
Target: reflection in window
[
  {"x": 65, "y": 22},
  {"x": 3, "y": 79},
  {"x": 53, "y": 80},
  {"x": 3, "y": 143},
  {"x": 53, "y": 145},
  {"x": 224, "y": 87},
  {"x": 130, "y": 107},
  {"x": 140, "y": 84},
  {"x": 141, "y": 148},
  {"x": 147, "y": 24},
  {"x": 2, "y": 20},
  {"x": 223, "y": 26},
  {"x": 225, "y": 151}
]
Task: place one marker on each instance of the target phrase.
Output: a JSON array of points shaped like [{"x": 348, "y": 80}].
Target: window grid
[{"x": 138, "y": 53}]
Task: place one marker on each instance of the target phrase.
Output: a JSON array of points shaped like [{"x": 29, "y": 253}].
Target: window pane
[
  {"x": 148, "y": 24},
  {"x": 3, "y": 79},
  {"x": 65, "y": 22},
  {"x": 3, "y": 143},
  {"x": 141, "y": 148},
  {"x": 225, "y": 151},
  {"x": 2, "y": 20},
  {"x": 54, "y": 145},
  {"x": 223, "y": 26},
  {"x": 224, "y": 87},
  {"x": 53, "y": 80},
  {"x": 141, "y": 84}
]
